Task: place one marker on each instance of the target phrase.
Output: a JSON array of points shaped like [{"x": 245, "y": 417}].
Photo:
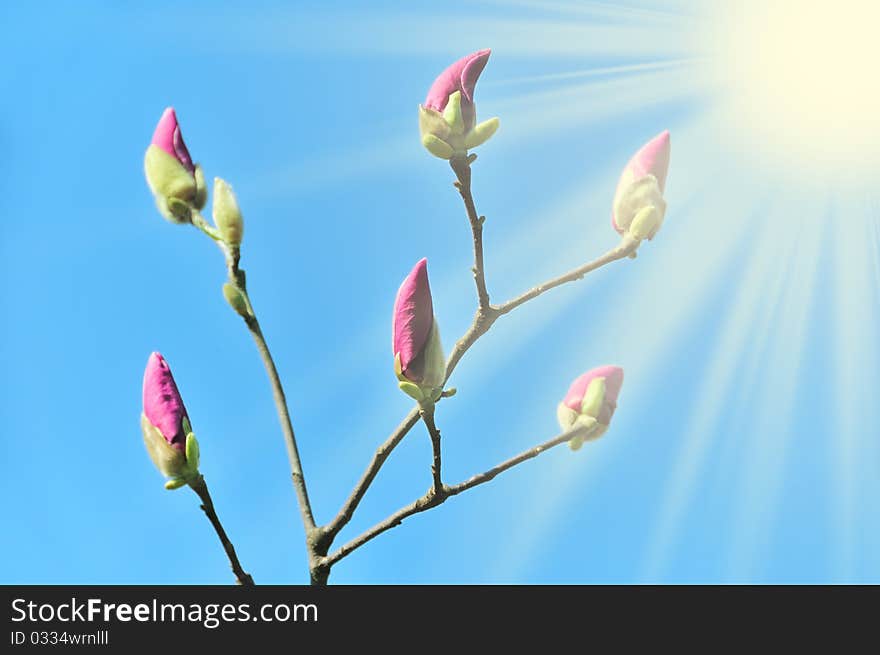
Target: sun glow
[{"x": 800, "y": 81}]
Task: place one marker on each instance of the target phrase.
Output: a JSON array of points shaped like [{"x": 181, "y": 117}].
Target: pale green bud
[
  {"x": 452, "y": 114},
  {"x": 412, "y": 390},
  {"x": 437, "y": 147},
  {"x": 227, "y": 215},
  {"x": 593, "y": 398},
  {"x": 235, "y": 299},
  {"x": 481, "y": 133},
  {"x": 193, "y": 453},
  {"x": 639, "y": 208},
  {"x": 646, "y": 223}
]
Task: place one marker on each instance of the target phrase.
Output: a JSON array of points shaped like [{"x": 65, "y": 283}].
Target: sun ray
[
  {"x": 593, "y": 9},
  {"x": 856, "y": 364},
  {"x": 591, "y": 72},
  {"x": 684, "y": 294},
  {"x": 697, "y": 436},
  {"x": 545, "y": 112},
  {"x": 772, "y": 378}
]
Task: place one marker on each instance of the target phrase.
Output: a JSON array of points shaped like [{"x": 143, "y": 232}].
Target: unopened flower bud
[
  {"x": 639, "y": 206},
  {"x": 227, "y": 215},
  {"x": 169, "y": 170},
  {"x": 448, "y": 117},
  {"x": 419, "y": 362},
  {"x": 166, "y": 429},
  {"x": 590, "y": 402}
]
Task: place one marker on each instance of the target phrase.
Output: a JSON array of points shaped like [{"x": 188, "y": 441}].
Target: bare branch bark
[
  {"x": 626, "y": 248},
  {"x": 201, "y": 489},
  {"x": 433, "y": 499},
  {"x": 427, "y": 414},
  {"x": 461, "y": 166},
  {"x": 238, "y": 280},
  {"x": 379, "y": 457}
]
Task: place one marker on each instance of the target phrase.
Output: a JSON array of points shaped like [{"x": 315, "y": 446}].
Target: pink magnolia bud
[
  {"x": 461, "y": 76},
  {"x": 413, "y": 317},
  {"x": 639, "y": 206},
  {"x": 415, "y": 339},
  {"x": 177, "y": 184},
  {"x": 163, "y": 405},
  {"x": 168, "y": 137},
  {"x": 590, "y": 403},
  {"x": 167, "y": 433},
  {"x": 448, "y": 118},
  {"x": 613, "y": 376}
]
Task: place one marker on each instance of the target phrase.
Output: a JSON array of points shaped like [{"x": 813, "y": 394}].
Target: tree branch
[
  {"x": 238, "y": 280},
  {"x": 379, "y": 457},
  {"x": 626, "y": 248},
  {"x": 201, "y": 488},
  {"x": 427, "y": 414},
  {"x": 485, "y": 317},
  {"x": 461, "y": 166},
  {"x": 432, "y": 499}
]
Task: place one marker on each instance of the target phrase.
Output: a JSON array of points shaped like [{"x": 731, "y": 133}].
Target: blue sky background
[{"x": 745, "y": 445}]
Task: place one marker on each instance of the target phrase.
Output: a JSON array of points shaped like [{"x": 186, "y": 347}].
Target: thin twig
[
  {"x": 427, "y": 414},
  {"x": 201, "y": 488},
  {"x": 299, "y": 481},
  {"x": 461, "y": 166},
  {"x": 379, "y": 457},
  {"x": 626, "y": 248},
  {"x": 432, "y": 499},
  {"x": 238, "y": 279}
]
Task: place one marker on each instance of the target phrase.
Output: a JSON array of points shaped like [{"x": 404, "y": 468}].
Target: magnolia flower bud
[
  {"x": 448, "y": 118},
  {"x": 591, "y": 401},
  {"x": 227, "y": 215},
  {"x": 419, "y": 362},
  {"x": 639, "y": 206},
  {"x": 167, "y": 432},
  {"x": 170, "y": 172}
]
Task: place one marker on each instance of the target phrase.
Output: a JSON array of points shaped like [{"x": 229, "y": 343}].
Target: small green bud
[
  {"x": 593, "y": 398},
  {"x": 235, "y": 299},
  {"x": 437, "y": 147},
  {"x": 481, "y": 133},
  {"x": 412, "y": 390},
  {"x": 192, "y": 453},
  {"x": 645, "y": 223},
  {"x": 452, "y": 114},
  {"x": 175, "y": 483},
  {"x": 227, "y": 215}
]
